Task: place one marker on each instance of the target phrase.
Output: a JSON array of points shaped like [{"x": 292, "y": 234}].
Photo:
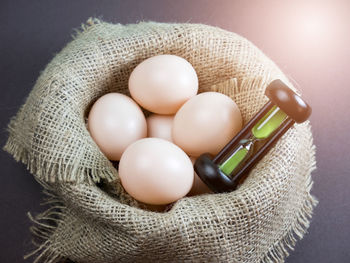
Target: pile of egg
[{"x": 156, "y": 154}]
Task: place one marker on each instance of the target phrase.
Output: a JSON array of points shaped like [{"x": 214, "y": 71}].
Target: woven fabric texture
[{"x": 90, "y": 217}]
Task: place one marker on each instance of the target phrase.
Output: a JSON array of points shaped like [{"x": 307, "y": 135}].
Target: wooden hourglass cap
[
  {"x": 288, "y": 101},
  {"x": 210, "y": 174}
]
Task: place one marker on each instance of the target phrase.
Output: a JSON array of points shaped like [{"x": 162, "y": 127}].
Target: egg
[
  {"x": 198, "y": 187},
  {"x": 206, "y": 123},
  {"x": 155, "y": 171},
  {"x": 114, "y": 122},
  {"x": 161, "y": 84},
  {"x": 159, "y": 126}
]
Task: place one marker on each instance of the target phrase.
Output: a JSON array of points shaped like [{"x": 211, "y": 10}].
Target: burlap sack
[{"x": 91, "y": 218}]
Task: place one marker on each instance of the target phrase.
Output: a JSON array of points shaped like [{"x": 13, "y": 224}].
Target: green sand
[{"x": 262, "y": 130}]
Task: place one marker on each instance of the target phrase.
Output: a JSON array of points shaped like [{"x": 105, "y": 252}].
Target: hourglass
[{"x": 230, "y": 166}]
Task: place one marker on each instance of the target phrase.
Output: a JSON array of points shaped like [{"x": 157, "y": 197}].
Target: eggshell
[
  {"x": 114, "y": 122},
  {"x": 161, "y": 84},
  {"x": 155, "y": 171},
  {"x": 159, "y": 126},
  {"x": 206, "y": 123},
  {"x": 198, "y": 187}
]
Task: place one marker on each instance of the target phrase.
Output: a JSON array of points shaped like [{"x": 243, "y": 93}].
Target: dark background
[{"x": 309, "y": 40}]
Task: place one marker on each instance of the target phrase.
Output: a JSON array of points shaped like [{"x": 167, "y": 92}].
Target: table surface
[{"x": 308, "y": 40}]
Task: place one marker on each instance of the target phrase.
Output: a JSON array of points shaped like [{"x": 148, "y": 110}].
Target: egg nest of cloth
[{"x": 92, "y": 219}]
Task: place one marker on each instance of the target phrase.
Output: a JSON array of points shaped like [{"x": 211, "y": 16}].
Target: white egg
[
  {"x": 206, "y": 123},
  {"x": 163, "y": 83},
  {"x": 159, "y": 126},
  {"x": 114, "y": 122},
  {"x": 155, "y": 171}
]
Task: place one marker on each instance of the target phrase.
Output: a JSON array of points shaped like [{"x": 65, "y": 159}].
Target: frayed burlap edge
[
  {"x": 48, "y": 171},
  {"x": 45, "y": 224},
  {"x": 280, "y": 250},
  {"x": 44, "y": 170}
]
